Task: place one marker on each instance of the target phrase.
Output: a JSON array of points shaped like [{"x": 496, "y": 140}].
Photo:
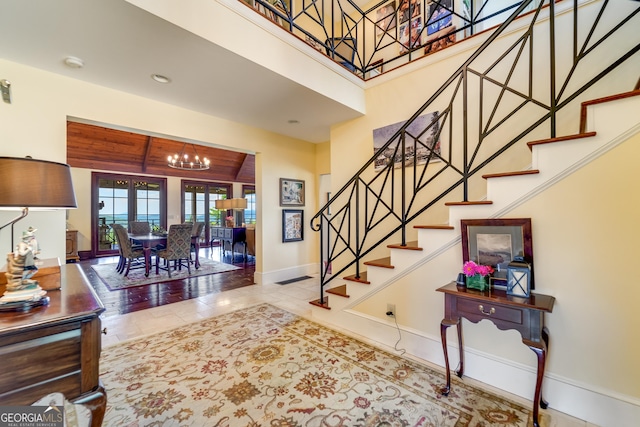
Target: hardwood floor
[{"x": 156, "y": 295}]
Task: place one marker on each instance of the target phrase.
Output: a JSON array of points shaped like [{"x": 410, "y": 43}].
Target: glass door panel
[{"x": 120, "y": 199}]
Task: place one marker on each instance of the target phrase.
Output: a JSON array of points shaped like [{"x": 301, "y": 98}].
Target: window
[
  {"x": 249, "y": 193},
  {"x": 120, "y": 199},
  {"x": 199, "y": 204}
]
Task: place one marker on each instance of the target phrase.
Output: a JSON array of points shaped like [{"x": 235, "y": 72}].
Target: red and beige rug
[{"x": 265, "y": 367}]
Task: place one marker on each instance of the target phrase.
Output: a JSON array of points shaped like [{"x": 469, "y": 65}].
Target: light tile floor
[{"x": 293, "y": 297}]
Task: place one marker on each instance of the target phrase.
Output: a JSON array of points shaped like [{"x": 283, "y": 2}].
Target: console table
[
  {"x": 232, "y": 235},
  {"x": 55, "y": 348},
  {"x": 526, "y": 315}
]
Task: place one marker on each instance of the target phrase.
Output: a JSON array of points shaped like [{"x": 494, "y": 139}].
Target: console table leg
[
  {"x": 443, "y": 336},
  {"x": 540, "y": 349},
  {"x": 460, "y": 370},
  {"x": 545, "y": 337}
]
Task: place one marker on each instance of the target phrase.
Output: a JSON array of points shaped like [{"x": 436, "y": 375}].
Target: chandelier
[{"x": 181, "y": 161}]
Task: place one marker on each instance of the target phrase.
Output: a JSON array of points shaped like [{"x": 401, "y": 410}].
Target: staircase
[
  {"x": 604, "y": 123},
  {"x": 482, "y": 114}
]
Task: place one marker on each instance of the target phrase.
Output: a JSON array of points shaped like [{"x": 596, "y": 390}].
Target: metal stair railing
[
  {"x": 484, "y": 109},
  {"x": 384, "y": 40}
]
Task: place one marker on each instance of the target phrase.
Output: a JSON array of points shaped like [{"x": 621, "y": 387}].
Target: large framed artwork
[
  {"x": 292, "y": 225},
  {"x": 428, "y": 139},
  {"x": 496, "y": 242},
  {"x": 291, "y": 192}
]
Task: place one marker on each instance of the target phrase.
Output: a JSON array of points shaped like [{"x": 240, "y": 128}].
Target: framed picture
[
  {"x": 292, "y": 225},
  {"x": 291, "y": 192},
  {"x": 425, "y": 127},
  {"x": 385, "y": 19},
  {"x": 496, "y": 242}
]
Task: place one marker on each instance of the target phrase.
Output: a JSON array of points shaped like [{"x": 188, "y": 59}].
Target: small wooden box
[{"x": 48, "y": 275}]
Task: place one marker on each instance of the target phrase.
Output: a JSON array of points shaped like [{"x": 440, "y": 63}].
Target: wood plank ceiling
[{"x": 101, "y": 148}]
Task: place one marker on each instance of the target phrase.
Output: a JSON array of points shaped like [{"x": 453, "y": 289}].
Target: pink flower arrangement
[
  {"x": 229, "y": 218},
  {"x": 470, "y": 268}
]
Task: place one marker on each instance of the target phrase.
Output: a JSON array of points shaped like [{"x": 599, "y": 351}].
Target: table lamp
[
  {"x": 238, "y": 206},
  {"x": 27, "y": 183}
]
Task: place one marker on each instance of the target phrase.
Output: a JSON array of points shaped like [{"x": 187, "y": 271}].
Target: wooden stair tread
[
  {"x": 585, "y": 104},
  {"x": 477, "y": 202},
  {"x": 338, "y": 290},
  {"x": 434, "y": 227},
  {"x": 561, "y": 138},
  {"x": 410, "y": 246},
  {"x": 324, "y": 304},
  {"x": 517, "y": 173},
  {"x": 381, "y": 262},
  {"x": 361, "y": 279}
]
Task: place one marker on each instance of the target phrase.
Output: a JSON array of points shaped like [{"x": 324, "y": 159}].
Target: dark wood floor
[{"x": 148, "y": 296}]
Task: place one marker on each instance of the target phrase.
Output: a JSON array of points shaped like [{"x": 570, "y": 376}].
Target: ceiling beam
[{"x": 147, "y": 153}]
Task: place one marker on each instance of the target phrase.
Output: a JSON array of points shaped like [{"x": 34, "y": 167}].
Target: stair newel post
[
  {"x": 324, "y": 262},
  {"x": 403, "y": 194},
  {"x": 357, "y": 231}
]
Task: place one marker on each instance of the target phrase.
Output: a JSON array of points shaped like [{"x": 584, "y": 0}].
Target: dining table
[{"x": 151, "y": 240}]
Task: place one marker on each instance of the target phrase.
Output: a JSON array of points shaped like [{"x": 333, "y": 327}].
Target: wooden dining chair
[
  {"x": 178, "y": 249},
  {"x": 129, "y": 256}
]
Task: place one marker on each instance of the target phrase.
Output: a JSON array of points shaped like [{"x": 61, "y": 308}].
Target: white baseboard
[{"x": 599, "y": 407}]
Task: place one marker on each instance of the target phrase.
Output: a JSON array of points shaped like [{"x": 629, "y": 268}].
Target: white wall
[{"x": 35, "y": 124}]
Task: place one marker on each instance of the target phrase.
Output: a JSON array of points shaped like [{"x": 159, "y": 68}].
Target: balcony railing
[
  {"x": 390, "y": 33},
  {"x": 504, "y": 93}
]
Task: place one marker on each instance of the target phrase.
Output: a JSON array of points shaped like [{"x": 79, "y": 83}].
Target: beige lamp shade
[
  {"x": 222, "y": 204},
  {"x": 238, "y": 204},
  {"x": 235, "y": 204}
]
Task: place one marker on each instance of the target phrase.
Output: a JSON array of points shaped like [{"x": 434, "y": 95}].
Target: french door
[
  {"x": 199, "y": 204},
  {"x": 120, "y": 199}
]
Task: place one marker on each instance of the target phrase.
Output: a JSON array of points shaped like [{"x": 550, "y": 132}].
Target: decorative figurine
[
  {"x": 20, "y": 268},
  {"x": 29, "y": 238}
]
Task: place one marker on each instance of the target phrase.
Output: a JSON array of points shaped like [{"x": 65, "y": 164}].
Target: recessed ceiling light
[
  {"x": 160, "y": 78},
  {"x": 73, "y": 62}
]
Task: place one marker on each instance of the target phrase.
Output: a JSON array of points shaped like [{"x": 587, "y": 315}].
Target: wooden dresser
[{"x": 55, "y": 348}]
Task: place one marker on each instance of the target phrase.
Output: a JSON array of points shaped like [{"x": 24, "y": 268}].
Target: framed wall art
[
  {"x": 496, "y": 242},
  {"x": 425, "y": 127},
  {"x": 291, "y": 192},
  {"x": 292, "y": 225}
]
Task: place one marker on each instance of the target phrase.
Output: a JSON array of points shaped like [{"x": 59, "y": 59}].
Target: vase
[
  {"x": 478, "y": 282},
  {"x": 230, "y": 223}
]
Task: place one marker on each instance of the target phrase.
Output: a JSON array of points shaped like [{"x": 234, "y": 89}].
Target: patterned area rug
[
  {"x": 265, "y": 367},
  {"x": 115, "y": 281}
]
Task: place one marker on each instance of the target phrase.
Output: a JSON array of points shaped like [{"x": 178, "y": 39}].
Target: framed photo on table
[
  {"x": 292, "y": 225},
  {"x": 291, "y": 192},
  {"x": 496, "y": 242}
]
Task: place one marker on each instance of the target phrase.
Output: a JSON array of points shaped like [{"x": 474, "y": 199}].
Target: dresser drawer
[{"x": 477, "y": 309}]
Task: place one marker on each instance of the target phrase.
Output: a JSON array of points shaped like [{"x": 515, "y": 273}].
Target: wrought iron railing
[
  {"x": 388, "y": 34},
  {"x": 497, "y": 98}
]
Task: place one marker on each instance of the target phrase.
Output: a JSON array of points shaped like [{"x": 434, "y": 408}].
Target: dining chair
[
  {"x": 129, "y": 256},
  {"x": 178, "y": 248},
  {"x": 139, "y": 227},
  {"x": 198, "y": 228}
]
